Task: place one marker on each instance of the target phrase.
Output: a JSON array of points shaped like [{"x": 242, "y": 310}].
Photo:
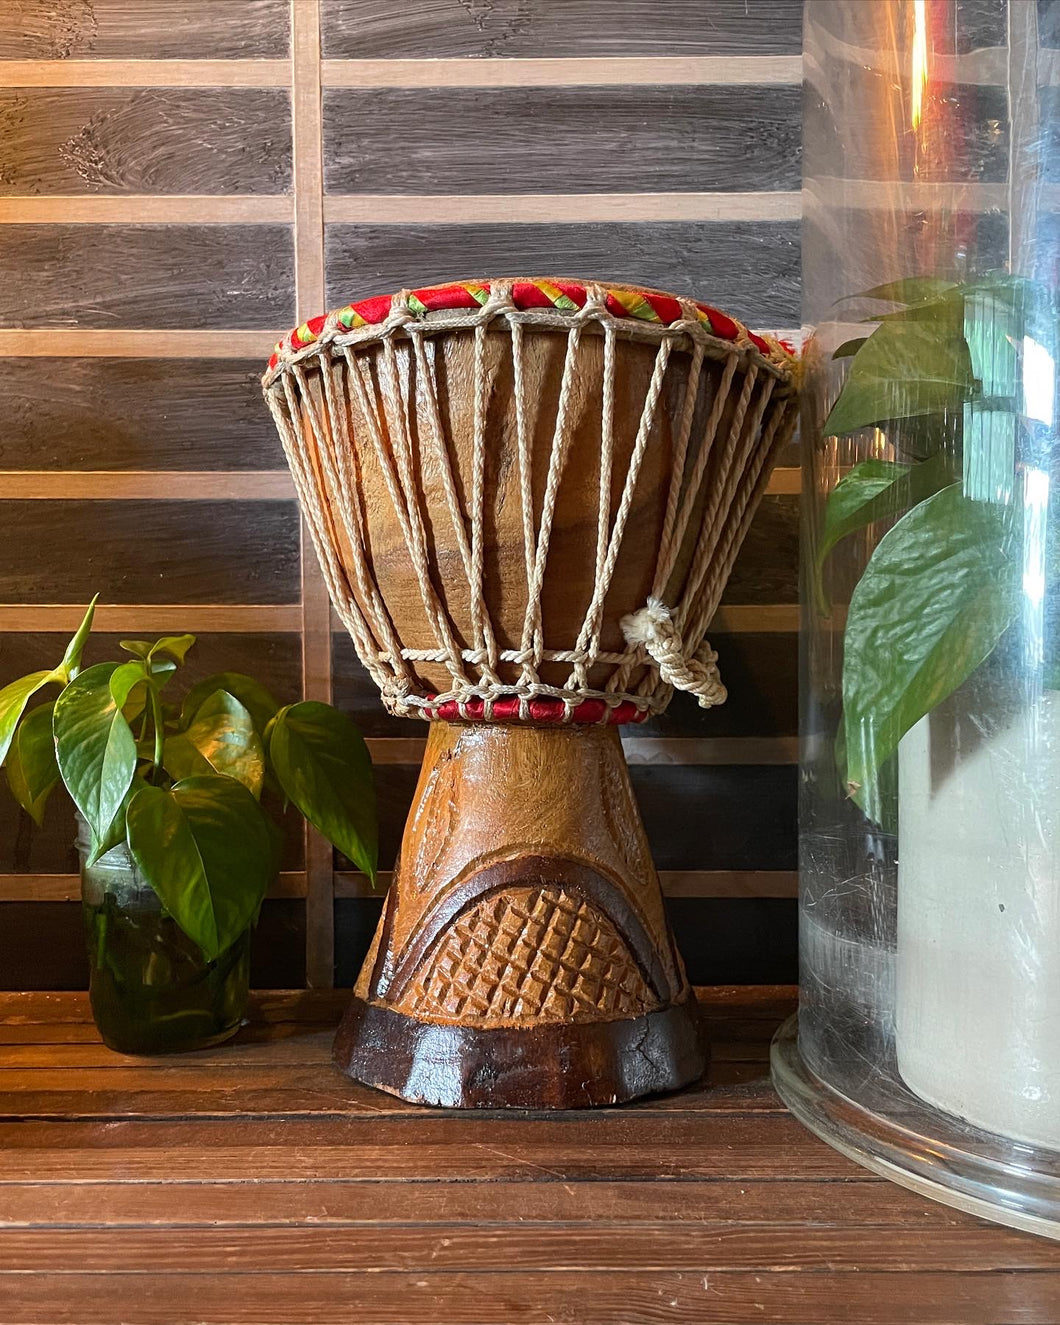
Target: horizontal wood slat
[
  {"x": 141, "y": 209},
  {"x": 585, "y": 139},
  {"x": 145, "y": 73},
  {"x": 472, "y": 208},
  {"x": 749, "y": 268},
  {"x": 353, "y": 73},
  {"x": 642, "y": 28},
  {"x": 241, "y": 618},
  {"x": 195, "y": 485},
  {"x": 144, "y": 141},
  {"x": 559, "y": 71},
  {"x": 126, "y": 343},
  {"x": 183, "y": 276},
  {"x": 291, "y": 883},
  {"x": 133, "y": 485},
  {"x": 151, "y": 550},
  {"x": 58, "y": 30}
]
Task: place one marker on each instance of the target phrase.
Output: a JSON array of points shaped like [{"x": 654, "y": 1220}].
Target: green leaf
[
  {"x": 118, "y": 829},
  {"x": 31, "y": 768},
  {"x": 875, "y": 490},
  {"x": 139, "y": 648},
  {"x": 71, "y": 663},
  {"x": 324, "y": 767},
  {"x": 94, "y": 743},
  {"x": 205, "y": 849},
  {"x": 903, "y": 370},
  {"x": 250, "y": 693},
  {"x": 938, "y": 593},
  {"x": 908, "y": 290},
  {"x": 176, "y": 646},
  {"x": 221, "y": 739},
  {"x": 849, "y": 347},
  {"x": 13, "y": 701}
]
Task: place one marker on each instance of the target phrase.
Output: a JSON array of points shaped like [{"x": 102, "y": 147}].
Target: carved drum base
[{"x": 523, "y": 959}]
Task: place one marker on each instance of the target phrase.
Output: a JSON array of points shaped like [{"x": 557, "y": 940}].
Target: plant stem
[{"x": 156, "y": 714}]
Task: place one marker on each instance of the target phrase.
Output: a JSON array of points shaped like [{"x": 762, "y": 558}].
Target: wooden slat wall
[{"x": 179, "y": 181}]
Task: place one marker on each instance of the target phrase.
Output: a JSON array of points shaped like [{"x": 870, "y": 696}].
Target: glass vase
[
  {"x": 927, "y": 1044},
  {"x": 150, "y": 987}
]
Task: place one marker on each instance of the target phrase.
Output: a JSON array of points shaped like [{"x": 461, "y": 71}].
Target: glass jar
[
  {"x": 927, "y": 1044},
  {"x": 151, "y": 989}
]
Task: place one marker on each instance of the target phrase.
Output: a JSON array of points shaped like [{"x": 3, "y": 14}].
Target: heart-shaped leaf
[
  {"x": 220, "y": 739},
  {"x": 31, "y": 768},
  {"x": 250, "y": 693},
  {"x": 323, "y": 765},
  {"x": 938, "y": 592},
  {"x": 94, "y": 743},
  {"x": 204, "y": 847},
  {"x": 904, "y": 369},
  {"x": 176, "y": 646},
  {"x": 876, "y": 490},
  {"x": 13, "y": 701}
]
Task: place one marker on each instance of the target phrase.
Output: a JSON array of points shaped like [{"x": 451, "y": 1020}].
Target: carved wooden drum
[{"x": 526, "y": 497}]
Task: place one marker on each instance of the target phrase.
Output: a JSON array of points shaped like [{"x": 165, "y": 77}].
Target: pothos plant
[
  {"x": 181, "y": 781},
  {"x": 960, "y": 380}
]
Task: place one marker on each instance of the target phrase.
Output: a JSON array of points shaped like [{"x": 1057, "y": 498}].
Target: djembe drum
[{"x": 526, "y": 497}]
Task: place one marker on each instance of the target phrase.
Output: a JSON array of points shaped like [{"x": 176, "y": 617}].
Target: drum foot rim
[{"x": 554, "y": 1065}]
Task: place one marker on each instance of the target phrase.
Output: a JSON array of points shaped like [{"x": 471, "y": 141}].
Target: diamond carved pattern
[{"x": 527, "y": 956}]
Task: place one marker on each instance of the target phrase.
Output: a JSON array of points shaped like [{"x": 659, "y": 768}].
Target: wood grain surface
[
  {"x": 749, "y": 268},
  {"x": 144, "y": 140},
  {"x": 364, "y": 29},
  {"x": 562, "y": 140},
  {"x": 144, "y": 414},
  {"x": 150, "y": 551},
  {"x": 144, "y": 29},
  {"x": 182, "y": 276},
  {"x": 253, "y": 1183}
]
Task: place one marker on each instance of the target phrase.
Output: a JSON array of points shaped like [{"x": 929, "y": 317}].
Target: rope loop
[{"x": 654, "y": 627}]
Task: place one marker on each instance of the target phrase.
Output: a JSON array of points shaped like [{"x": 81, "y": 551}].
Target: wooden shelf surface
[{"x": 252, "y": 1185}]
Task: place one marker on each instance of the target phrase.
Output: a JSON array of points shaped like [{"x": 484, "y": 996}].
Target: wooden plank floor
[{"x": 253, "y": 1183}]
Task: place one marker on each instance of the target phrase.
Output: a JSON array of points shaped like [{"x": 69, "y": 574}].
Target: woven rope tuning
[{"x": 337, "y": 395}]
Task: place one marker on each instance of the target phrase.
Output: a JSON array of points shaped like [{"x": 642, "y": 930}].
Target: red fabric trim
[
  {"x": 375, "y": 309},
  {"x": 666, "y": 306},
  {"x": 527, "y": 294},
  {"x": 437, "y": 297},
  {"x": 544, "y": 709},
  {"x": 721, "y": 325}
]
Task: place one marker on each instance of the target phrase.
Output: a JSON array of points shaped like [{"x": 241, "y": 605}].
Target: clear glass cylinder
[
  {"x": 928, "y": 1037},
  {"x": 150, "y": 987}
]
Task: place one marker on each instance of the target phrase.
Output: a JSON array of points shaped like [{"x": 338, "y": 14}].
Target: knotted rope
[{"x": 654, "y": 628}]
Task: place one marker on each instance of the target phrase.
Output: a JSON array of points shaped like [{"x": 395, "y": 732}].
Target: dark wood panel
[
  {"x": 117, "y": 414},
  {"x": 144, "y": 140},
  {"x": 761, "y": 674},
  {"x": 767, "y": 568},
  {"x": 697, "y": 817},
  {"x": 427, "y": 28},
  {"x": 145, "y": 29},
  {"x": 760, "y": 671},
  {"x": 751, "y": 269},
  {"x": 42, "y": 946},
  {"x": 177, "y": 276},
  {"x": 149, "y": 552},
  {"x": 562, "y": 140}
]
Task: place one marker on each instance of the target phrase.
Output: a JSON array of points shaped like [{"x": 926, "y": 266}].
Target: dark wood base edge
[{"x": 573, "y": 1065}]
